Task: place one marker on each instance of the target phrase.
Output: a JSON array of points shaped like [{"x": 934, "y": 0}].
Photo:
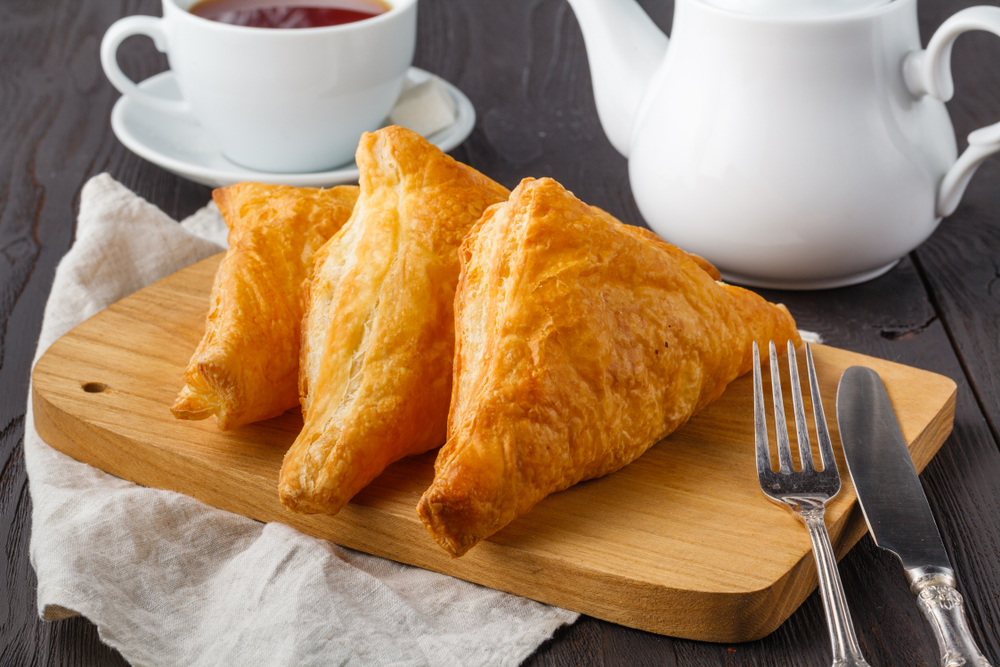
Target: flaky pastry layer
[
  {"x": 378, "y": 337},
  {"x": 580, "y": 343},
  {"x": 246, "y": 367}
]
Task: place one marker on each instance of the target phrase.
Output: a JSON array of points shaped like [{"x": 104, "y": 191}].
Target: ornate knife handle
[{"x": 945, "y": 610}]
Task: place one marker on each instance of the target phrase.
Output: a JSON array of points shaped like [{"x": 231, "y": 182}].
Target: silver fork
[{"x": 806, "y": 492}]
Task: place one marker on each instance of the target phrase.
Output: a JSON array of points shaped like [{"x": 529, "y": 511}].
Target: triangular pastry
[
  {"x": 378, "y": 338},
  {"x": 580, "y": 343},
  {"x": 246, "y": 367}
]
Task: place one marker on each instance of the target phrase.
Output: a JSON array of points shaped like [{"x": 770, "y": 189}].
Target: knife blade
[{"x": 896, "y": 509}]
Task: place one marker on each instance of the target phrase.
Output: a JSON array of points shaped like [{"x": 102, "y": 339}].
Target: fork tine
[
  {"x": 822, "y": 433},
  {"x": 780, "y": 430},
  {"x": 760, "y": 418},
  {"x": 801, "y": 428}
]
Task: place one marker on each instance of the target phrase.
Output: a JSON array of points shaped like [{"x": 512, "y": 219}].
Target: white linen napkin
[{"x": 171, "y": 581}]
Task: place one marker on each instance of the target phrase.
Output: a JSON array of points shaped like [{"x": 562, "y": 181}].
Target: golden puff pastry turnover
[
  {"x": 580, "y": 342},
  {"x": 378, "y": 338},
  {"x": 246, "y": 367}
]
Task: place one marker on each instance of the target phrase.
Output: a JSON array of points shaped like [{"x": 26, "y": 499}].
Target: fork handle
[
  {"x": 944, "y": 608},
  {"x": 846, "y": 652}
]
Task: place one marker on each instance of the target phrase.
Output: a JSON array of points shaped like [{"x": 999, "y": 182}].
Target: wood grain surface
[
  {"x": 679, "y": 542},
  {"x": 523, "y": 65}
]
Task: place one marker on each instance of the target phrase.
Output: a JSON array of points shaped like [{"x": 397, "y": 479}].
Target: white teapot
[{"x": 799, "y": 144}]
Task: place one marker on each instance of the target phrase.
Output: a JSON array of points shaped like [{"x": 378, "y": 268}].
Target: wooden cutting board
[{"x": 681, "y": 542}]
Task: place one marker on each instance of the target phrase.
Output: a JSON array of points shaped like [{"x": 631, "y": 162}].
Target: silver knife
[{"x": 897, "y": 512}]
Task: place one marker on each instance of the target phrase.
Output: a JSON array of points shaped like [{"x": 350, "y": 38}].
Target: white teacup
[{"x": 278, "y": 100}]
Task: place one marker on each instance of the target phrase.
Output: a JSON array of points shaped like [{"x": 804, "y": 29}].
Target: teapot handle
[{"x": 928, "y": 72}]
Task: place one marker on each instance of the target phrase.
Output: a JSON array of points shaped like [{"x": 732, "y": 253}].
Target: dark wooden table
[{"x": 523, "y": 64}]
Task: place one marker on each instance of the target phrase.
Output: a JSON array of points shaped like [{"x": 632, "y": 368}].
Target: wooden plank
[
  {"x": 961, "y": 270},
  {"x": 522, "y": 63},
  {"x": 681, "y": 542}
]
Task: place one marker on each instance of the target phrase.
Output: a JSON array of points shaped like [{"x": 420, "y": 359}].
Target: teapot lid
[{"x": 797, "y": 9}]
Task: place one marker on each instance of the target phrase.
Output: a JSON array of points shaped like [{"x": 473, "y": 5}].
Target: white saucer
[{"x": 180, "y": 145}]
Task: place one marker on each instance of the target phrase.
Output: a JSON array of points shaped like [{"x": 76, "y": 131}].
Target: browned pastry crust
[
  {"x": 378, "y": 338},
  {"x": 580, "y": 342},
  {"x": 246, "y": 367}
]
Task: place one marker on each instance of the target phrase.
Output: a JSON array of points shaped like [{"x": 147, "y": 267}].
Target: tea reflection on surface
[{"x": 289, "y": 13}]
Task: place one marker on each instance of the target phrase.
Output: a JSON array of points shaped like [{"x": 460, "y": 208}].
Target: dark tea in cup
[{"x": 286, "y": 14}]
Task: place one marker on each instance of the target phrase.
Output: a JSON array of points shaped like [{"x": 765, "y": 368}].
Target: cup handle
[
  {"x": 116, "y": 34},
  {"x": 928, "y": 72}
]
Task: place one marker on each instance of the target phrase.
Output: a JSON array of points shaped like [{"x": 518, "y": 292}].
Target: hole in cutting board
[{"x": 95, "y": 387}]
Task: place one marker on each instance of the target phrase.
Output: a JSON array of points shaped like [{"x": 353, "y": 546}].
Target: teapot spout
[{"x": 624, "y": 48}]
